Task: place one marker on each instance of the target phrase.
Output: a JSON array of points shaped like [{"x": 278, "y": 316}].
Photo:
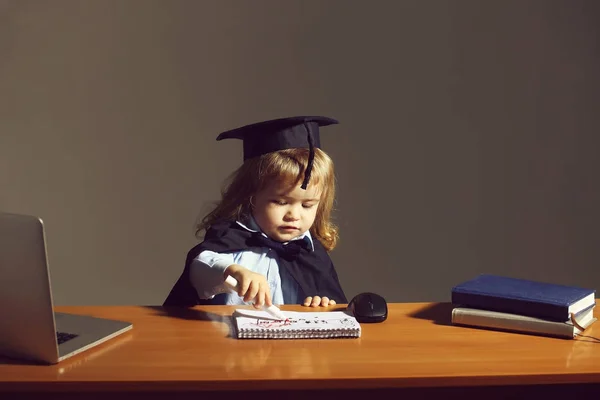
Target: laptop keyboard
[{"x": 62, "y": 337}]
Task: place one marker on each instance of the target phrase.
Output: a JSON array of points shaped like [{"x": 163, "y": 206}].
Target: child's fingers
[
  {"x": 243, "y": 287},
  {"x": 260, "y": 297},
  {"x": 252, "y": 291},
  {"x": 268, "y": 301},
  {"x": 316, "y": 301},
  {"x": 259, "y": 300}
]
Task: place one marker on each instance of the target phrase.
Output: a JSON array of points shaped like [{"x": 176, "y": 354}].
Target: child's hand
[
  {"x": 317, "y": 301},
  {"x": 251, "y": 285}
]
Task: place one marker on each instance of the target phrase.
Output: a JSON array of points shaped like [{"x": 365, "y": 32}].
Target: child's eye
[
  {"x": 308, "y": 205},
  {"x": 279, "y": 202}
]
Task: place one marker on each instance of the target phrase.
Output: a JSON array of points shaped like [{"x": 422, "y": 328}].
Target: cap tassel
[{"x": 311, "y": 156}]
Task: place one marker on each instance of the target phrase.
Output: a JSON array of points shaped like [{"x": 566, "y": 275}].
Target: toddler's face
[{"x": 283, "y": 212}]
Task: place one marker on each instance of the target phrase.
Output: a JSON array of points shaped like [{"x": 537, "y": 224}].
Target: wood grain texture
[{"x": 189, "y": 350}]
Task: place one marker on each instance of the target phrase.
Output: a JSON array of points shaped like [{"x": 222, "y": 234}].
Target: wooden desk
[{"x": 417, "y": 350}]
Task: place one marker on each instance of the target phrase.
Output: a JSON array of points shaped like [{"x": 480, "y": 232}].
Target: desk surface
[{"x": 416, "y": 347}]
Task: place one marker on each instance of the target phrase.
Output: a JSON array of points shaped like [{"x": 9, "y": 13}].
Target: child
[{"x": 271, "y": 230}]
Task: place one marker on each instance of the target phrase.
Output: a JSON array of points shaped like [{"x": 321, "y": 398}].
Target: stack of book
[{"x": 519, "y": 305}]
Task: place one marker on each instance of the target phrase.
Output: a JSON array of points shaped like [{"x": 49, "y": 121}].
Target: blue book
[{"x": 524, "y": 297}]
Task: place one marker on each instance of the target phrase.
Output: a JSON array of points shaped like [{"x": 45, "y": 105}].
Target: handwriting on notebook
[
  {"x": 259, "y": 324},
  {"x": 299, "y": 322}
]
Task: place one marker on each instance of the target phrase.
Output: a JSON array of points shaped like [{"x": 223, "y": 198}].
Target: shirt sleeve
[{"x": 206, "y": 273}]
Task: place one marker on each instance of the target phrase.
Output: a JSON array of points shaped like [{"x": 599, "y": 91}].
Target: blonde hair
[{"x": 287, "y": 167}]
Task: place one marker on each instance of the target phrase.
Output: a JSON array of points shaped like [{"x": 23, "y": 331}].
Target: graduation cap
[{"x": 280, "y": 134}]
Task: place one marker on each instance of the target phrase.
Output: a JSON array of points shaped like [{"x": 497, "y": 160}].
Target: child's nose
[{"x": 292, "y": 214}]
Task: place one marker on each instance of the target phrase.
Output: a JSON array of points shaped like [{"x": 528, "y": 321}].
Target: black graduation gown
[{"x": 312, "y": 270}]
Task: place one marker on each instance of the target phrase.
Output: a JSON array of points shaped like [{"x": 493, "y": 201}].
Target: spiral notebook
[{"x": 254, "y": 324}]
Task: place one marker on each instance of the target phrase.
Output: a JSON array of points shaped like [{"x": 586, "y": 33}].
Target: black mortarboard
[{"x": 280, "y": 134}]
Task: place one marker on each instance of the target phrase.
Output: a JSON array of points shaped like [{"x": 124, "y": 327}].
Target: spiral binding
[{"x": 257, "y": 333}]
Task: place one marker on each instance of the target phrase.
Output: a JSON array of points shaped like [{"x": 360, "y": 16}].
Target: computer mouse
[{"x": 368, "y": 307}]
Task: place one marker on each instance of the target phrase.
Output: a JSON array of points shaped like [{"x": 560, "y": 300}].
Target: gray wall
[{"x": 467, "y": 143}]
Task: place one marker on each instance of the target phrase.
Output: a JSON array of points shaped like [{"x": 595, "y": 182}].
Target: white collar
[{"x": 253, "y": 227}]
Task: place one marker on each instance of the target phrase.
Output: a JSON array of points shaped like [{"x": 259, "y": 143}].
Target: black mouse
[{"x": 368, "y": 307}]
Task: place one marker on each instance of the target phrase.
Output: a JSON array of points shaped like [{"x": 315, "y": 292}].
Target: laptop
[{"x": 29, "y": 327}]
